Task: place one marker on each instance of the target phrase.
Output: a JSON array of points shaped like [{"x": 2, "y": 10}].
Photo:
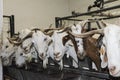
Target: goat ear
[
  {"x": 102, "y": 50},
  {"x": 103, "y": 57},
  {"x": 65, "y": 39},
  {"x": 70, "y": 44},
  {"x": 49, "y": 40}
]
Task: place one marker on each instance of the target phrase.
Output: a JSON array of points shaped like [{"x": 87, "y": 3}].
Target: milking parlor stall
[{"x": 60, "y": 40}]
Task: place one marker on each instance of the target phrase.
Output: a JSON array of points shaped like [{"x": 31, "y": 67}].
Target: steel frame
[
  {"x": 58, "y": 23},
  {"x": 12, "y": 24}
]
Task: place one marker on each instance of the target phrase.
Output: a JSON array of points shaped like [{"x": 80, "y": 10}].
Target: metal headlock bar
[
  {"x": 12, "y": 25},
  {"x": 58, "y": 21},
  {"x": 91, "y": 12}
]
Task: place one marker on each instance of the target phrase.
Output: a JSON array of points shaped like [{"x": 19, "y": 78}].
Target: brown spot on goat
[{"x": 91, "y": 50}]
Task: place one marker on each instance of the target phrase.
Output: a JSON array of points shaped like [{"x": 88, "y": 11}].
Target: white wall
[
  {"x": 1, "y": 15},
  {"x": 35, "y": 13},
  {"x": 1, "y": 21},
  {"x": 79, "y": 5},
  {"x": 82, "y": 5},
  {"x": 42, "y": 13}
]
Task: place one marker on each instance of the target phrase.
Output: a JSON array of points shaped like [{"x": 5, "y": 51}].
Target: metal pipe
[
  {"x": 73, "y": 19},
  {"x": 56, "y": 22},
  {"x": 91, "y": 12},
  {"x": 6, "y": 16},
  {"x": 108, "y": 18},
  {"x": 12, "y": 25},
  {"x": 109, "y": 1},
  {"x": 91, "y": 20},
  {"x": 12, "y": 31},
  {"x": 89, "y": 28}
]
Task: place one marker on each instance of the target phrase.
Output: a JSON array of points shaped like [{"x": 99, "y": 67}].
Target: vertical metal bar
[
  {"x": 89, "y": 26},
  {"x": 12, "y": 29},
  {"x": 56, "y": 22},
  {"x": 98, "y": 24},
  {"x": 89, "y": 63},
  {"x": 88, "y": 59}
]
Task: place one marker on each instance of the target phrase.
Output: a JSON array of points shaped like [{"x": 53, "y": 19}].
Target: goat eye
[
  {"x": 45, "y": 39},
  {"x": 33, "y": 53},
  {"x": 77, "y": 41},
  {"x": 6, "y": 46},
  {"x": 21, "y": 54},
  {"x": 25, "y": 48}
]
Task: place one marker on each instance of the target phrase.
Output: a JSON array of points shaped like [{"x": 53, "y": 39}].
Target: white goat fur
[{"x": 111, "y": 41}]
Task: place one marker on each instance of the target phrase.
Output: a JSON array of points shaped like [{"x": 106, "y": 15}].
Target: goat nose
[
  {"x": 42, "y": 55},
  {"x": 56, "y": 54},
  {"x": 1, "y": 57},
  {"x": 112, "y": 69},
  {"x": 21, "y": 54}
]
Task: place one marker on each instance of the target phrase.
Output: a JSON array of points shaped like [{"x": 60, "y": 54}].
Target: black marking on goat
[
  {"x": 6, "y": 46},
  {"x": 65, "y": 39},
  {"x": 99, "y": 41},
  {"x": 36, "y": 29},
  {"x": 25, "y": 51},
  {"x": 50, "y": 34},
  {"x": 68, "y": 37},
  {"x": 50, "y": 42}
]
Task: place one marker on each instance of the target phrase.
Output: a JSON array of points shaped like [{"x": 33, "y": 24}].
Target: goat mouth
[
  {"x": 81, "y": 56},
  {"x": 4, "y": 59},
  {"x": 57, "y": 61},
  {"x": 58, "y": 58},
  {"x": 115, "y": 74},
  {"x": 20, "y": 66},
  {"x": 41, "y": 57}
]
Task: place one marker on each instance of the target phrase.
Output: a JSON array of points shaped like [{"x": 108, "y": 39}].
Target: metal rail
[
  {"x": 58, "y": 21},
  {"x": 91, "y": 12},
  {"x": 12, "y": 24}
]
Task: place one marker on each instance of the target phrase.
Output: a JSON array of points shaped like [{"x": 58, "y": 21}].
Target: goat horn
[
  {"x": 14, "y": 39},
  {"x": 49, "y": 33},
  {"x": 65, "y": 29},
  {"x": 28, "y": 36},
  {"x": 50, "y": 26},
  {"x": 52, "y": 29},
  {"x": 83, "y": 23},
  {"x": 83, "y": 35},
  {"x": 35, "y": 29},
  {"x": 14, "y": 42},
  {"x": 18, "y": 43}
]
